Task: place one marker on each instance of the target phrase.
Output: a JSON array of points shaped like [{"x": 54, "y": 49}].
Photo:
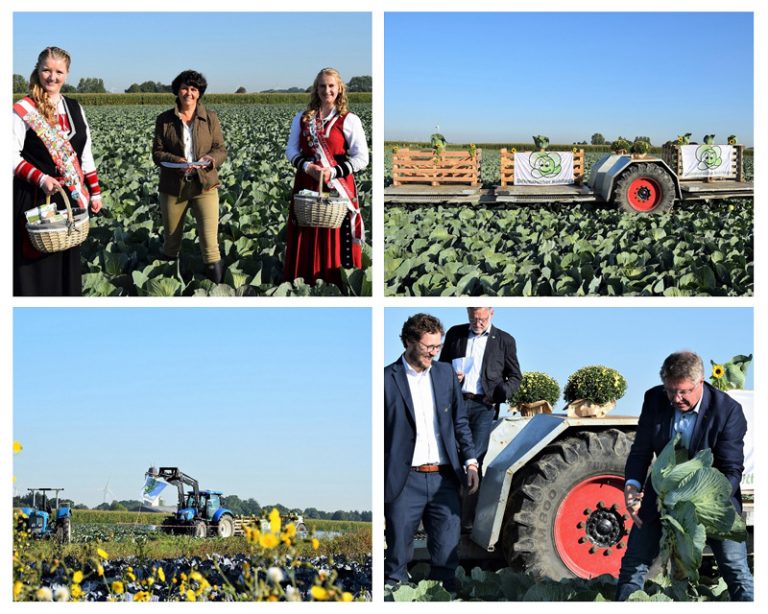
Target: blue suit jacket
[
  {"x": 400, "y": 424},
  {"x": 720, "y": 426}
]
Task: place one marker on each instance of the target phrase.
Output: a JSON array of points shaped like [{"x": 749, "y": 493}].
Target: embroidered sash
[
  {"x": 322, "y": 151},
  {"x": 59, "y": 148}
]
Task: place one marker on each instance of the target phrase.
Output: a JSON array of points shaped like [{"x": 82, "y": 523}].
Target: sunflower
[{"x": 718, "y": 371}]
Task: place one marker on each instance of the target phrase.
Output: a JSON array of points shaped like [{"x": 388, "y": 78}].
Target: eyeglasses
[
  {"x": 480, "y": 320},
  {"x": 431, "y": 348},
  {"x": 672, "y": 393}
]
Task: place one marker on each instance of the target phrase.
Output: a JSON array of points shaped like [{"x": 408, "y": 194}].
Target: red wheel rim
[
  {"x": 591, "y": 527},
  {"x": 643, "y": 194}
]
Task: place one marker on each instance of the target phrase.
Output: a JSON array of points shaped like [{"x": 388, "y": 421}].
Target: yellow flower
[
  {"x": 17, "y": 447},
  {"x": 18, "y": 586},
  {"x": 252, "y": 535},
  {"x": 315, "y": 543},
  {"x": 77, "y": 577},
  {"x": 718, "y": 371},
  {"x": 268, "y": 540},
  {"x": 191, "y": 595},
  {"x": 290, "y": 530},
  {"x": 161, "y": 574},
  {"x": 319, "y": 593},
  {"x": 141, "y": 596},
  {"x": 117, "y": 587},
  {"x": 76, "y": 591},
  {"x": 102, "y": 553},
  {"x": 274, "y": 521},
  {"x": 345, "y": 596},
  {"x": 99, "y": 569}
]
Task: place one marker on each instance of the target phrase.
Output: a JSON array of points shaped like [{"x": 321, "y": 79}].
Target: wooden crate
[
  {"x": 507, "y": 167},
  {"x": 412, "y": 166},
  {"x": 670, "y": 153}
]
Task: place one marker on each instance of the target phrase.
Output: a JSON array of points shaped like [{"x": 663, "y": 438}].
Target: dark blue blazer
[
  {"x": 400, "y": 424},
  {"x": 720, "y": 426},
  {"x": 500, "y": 372}
]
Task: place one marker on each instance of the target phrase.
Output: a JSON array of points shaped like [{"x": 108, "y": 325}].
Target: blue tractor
[
  {"x": 42, "y": 520},
  {"x": 199, "y": 512}
]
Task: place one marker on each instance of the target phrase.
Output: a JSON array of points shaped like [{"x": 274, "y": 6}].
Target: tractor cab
[{"x": 203, "y": 505}]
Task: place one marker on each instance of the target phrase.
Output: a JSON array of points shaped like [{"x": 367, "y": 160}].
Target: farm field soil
[
  {"x": 120, "y": 257},
  {"x": 696, "y": 249}
]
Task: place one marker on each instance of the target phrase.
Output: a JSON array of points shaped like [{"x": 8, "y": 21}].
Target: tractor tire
[
  {"x": 64, "y": 531},
  {"x": 200, "y": 529},
  {"x": 169, "y": 526},
  {"x": 566, "y": 516},
  {"x": 225, "y": 526},
  {"x": 644, "y": 188}
]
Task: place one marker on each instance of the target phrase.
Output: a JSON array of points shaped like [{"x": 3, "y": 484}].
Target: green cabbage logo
[
  {"x": 709, "y": 157},
  {"x": 545, "y": 164}
]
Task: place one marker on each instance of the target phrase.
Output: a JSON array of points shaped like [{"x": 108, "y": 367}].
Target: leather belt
[
  {"x": 429, "y": 468},
  {"x": 479, "y": 398}
]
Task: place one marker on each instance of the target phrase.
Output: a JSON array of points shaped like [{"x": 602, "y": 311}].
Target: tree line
[
  {"x": 93, "y": 85},
  {"x": 238, "y": 506}
]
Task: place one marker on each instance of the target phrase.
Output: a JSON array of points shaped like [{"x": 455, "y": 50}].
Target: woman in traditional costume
[
  {"x": 188, "y": 147},
  {"x": 327, "y": 143},
  {"x": 51, "y": 150}
]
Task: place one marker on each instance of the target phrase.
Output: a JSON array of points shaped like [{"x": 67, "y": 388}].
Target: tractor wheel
[
  {"x": 200, "y": 529},
  {"x": 169, "y": 525},
  {"x": 644, "y": 188},
  {"x": 64, "y": 531},
  {"x": 226, "y": 526},
  {"x": 566, "y": 515}
]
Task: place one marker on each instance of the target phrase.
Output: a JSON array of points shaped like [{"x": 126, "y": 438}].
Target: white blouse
[
  {"x": 357, "y": 146},
  {"x": 20, "y": 133}
]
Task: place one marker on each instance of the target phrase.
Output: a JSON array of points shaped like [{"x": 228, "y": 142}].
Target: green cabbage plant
[{"x": 694, "y": 501}]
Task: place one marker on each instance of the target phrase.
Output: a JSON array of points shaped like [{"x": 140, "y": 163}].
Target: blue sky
[
  {"x": 268, "y": 403},
  {"x": 255, "y": 50},
  {"x": 502, "y": 77},
  {"x": 635, "y": 341}
]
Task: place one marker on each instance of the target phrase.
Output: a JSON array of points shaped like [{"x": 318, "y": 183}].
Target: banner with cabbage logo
[
  {"x": 543, "y": 168},
  {"x": 150, "y": 495},
  {"x": 701, "y": 161}
]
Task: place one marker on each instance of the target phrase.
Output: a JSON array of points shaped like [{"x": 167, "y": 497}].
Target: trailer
[{"x": 637, "y": 184}]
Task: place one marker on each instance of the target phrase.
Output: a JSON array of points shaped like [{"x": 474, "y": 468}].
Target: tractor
[
  {"x": 552, "y": 497},
  {"x": 199, "y": 512},
  {"x": 40, "y": 520}
]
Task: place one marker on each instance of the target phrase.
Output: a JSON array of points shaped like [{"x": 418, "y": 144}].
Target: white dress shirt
[
  {"x": 428, "y": 449},
  {"x": 475, "y": 349}
]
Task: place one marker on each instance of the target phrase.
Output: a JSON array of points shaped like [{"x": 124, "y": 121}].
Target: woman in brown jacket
[{"x": 189, "y": 147}]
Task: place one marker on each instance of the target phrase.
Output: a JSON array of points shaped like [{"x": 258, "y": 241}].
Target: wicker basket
[
  {"x": 319, "y": 212},
  {"x": 59, "y": 236}
]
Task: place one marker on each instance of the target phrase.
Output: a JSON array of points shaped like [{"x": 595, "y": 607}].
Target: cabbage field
[
  {"x": 121, "y": 254},
  {"x": 123, "y": 561},
  {"x": 696, "y": 249}
]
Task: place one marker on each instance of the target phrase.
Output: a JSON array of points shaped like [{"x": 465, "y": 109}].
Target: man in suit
[
  {"x": 493, "y": 377},
  {"x": 705, "y": 418},
  {"x": 428, "y": 454}
]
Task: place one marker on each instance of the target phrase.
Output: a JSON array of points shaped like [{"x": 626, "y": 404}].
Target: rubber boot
[{"x": 215, "y": 271}]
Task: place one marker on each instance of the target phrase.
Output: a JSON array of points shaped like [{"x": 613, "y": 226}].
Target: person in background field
[
  {"x": 326, "y": 144},
  {"x": 190, "y": 134},
  {"x": 428, "y": 454},
  {"x": 705, "y": 418},
  {"x": 492, "y": 378},
  {"x": 51, "y": 150}
]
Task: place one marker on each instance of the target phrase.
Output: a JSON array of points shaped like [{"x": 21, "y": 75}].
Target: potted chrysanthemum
[
  {"x": 593, "y": 391},
  {"x": 537, "y": 393}
]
